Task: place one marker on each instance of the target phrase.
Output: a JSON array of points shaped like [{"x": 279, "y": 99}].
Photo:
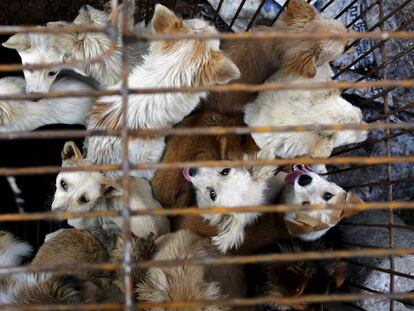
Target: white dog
[
  {"x": 35, "y": 48},
  {"x": 168, "y": 64},
  {"x": 27, "y": 115},
  {"x": 230, "y": 187},
  {"x": 92, "y": 191},
  {"x": 303, "y": 107},
  {"x": 305, "y": 187}
]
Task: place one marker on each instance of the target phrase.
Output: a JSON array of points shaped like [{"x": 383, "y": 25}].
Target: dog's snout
[
  {"x": 192, "y": 171},
  {"x": 304, "y": 180}
]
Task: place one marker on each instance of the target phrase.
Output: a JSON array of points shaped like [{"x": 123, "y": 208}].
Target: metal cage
[{"x": 381, "y": 38}]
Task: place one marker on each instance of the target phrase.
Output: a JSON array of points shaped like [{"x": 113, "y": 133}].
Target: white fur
[
  {"x": 160, "y": 68},
  {"x": 302, "y": 107},
  {"x": 12, "y": 251},
  {"x": 313, "y": 194},
  {"x": 241, "y": 187},
  {"x": 27, "y": 115},
  {"x": 91, "y": 185}
]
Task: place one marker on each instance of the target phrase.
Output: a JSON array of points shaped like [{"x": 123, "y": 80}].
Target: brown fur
[
  {"x": 169, "y": 186},
  {"x": 257, "y": 60},
  {"x": 189, "y": 282},
  {"x": 142, "y": 249}
]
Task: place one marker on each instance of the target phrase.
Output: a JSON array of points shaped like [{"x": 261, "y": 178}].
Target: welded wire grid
[{"x": 375, "y": 78}]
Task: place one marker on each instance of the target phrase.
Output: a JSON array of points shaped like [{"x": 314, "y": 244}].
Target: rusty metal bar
[
  {"x": 207, "y": 130},
  {"x": 236, "y": 87},
  {"x": 391, "y": 112},
  {"x": 126, "y": 210},
  {"x": 217, "y": 261},
  {"x": 395, "y": 226},
  {"x": 279, "y": 208},
  {"x": 386, "y": 182},
  {"x": 234, "y": 163},
  {"x": 388, "y": 271}
]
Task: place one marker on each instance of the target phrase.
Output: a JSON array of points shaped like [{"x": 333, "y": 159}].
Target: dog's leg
[{"x": 231, "y": 233}]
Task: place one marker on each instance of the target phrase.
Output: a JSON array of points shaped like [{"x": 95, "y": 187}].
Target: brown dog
[{"x": 257, "y": 60}]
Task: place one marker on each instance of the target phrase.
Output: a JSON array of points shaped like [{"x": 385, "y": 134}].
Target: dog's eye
[
  {"x": 213, "y": 194},
  {"x": 305, "y": 203},
  {"x": 225, "y": 171},
  {"x": 327, "y": 196},
  {"x": 64, "y": 185},
  {"x": 51, "y": 73},
  {"x": 83, "y": 199}
]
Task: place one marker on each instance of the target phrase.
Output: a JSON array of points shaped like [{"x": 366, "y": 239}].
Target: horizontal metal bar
[
  {"x": 215, "y": 261},
  {"x": 235, "y": 163},
  {"x": 278, "y": 208},
  {"x": 236, "y": 87},
  {"x": 388, "y": 271},
  {"x": 181, "y": 305},
  {"x": 380, "y": 183},
  {"x": 185, "y": 131}
]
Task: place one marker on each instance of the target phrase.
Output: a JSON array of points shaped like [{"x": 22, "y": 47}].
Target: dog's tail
[{"x": 12, "y": 250}]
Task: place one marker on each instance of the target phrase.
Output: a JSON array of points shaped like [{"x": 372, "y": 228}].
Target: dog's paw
[{"x": 231, "y": 237}]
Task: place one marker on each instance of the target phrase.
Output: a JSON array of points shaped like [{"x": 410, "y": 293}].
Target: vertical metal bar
[
  {"x": 345, "y": 9},
  {"x": 237, "y": 13},
  {"x": 126, "y": 212},
  {"x": 255, "y": 15},
  {"x": 281, "y": 11},
  {"x": 389, "y": 166},
  {"x": 218, "y": 10},
  {"x": 327, "y": 5}
]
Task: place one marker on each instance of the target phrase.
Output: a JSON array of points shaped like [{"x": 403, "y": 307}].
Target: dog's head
[
  {"x": 205, "y": 63},
  {"x": 304, "y": 187},
  {"x": 228, "y": 186},
  {"x": 303, "y": 56},
  {"x": 303, "y": 277},
  {"x": 34, "y": 49},
  {"x": 80, "y": 191}
]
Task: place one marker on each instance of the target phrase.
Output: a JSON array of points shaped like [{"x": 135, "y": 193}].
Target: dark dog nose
[
  {"x": 304, "y": 180},
  {"x": 192, "y": 172}
]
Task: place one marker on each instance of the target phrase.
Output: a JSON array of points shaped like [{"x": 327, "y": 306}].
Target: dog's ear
[
  {"x": 19, "y": 42},
  {"x": 224, "y": 70},
  {"x": 351, "y": 198},
  {"x": 298, "y": 12},
  {"x": 165, "y": 21},
  {"x": 71, "y": 152},
  {"x": 230, "y": 147},
  {"x": 301, "y": 61},
  {"x": 322, "y": 144},
  {"x": 111, "y": 188}
]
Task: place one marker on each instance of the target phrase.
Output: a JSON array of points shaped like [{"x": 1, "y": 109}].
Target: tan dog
[
  {"x": 189, "y": 282},
  {"x": 259, "y": 59},
  {"x": 70, "y": 247}
]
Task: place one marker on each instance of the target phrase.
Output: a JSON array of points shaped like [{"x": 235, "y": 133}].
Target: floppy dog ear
[
  {"x": 298, "y": 12},
  {"x": 351, "y": 198},
  {"x": 230, "y": 148},
  {"x": 111, "y": 188},
  {"x": 165, "y": 21},
  {"x": 17, "y": 42},
  {"x": 71, "y": 152}
]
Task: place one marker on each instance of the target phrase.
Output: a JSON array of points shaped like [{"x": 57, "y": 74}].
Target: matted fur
[
  {"x": 93, "y": 191},
  {"x": 189, "y": 282},
  {"x": 294, "y": 107},
  {"x": 12, "y": 250},
  {"x": 28, "y": 115},
  {"x": 258, "y": 60},
  {"x": 163, "y": 66}
]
